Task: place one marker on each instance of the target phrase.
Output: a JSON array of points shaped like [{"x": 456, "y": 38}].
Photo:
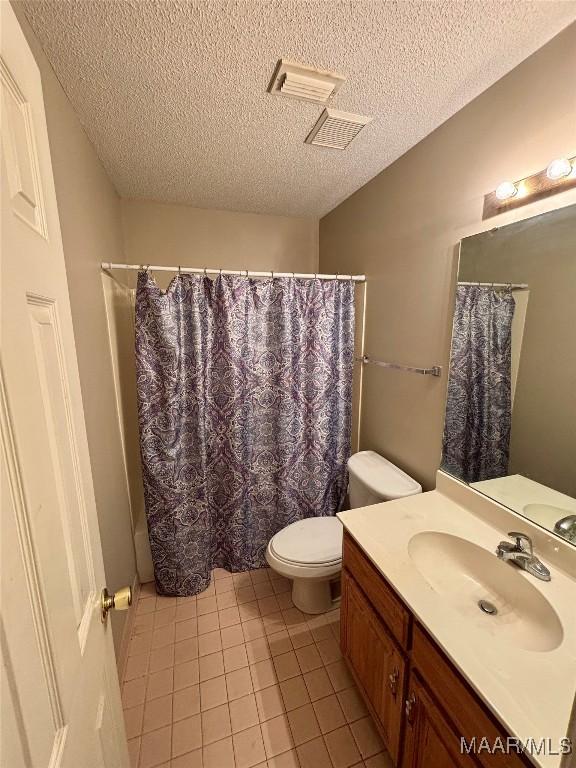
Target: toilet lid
[{"x": 313, "y": 541}]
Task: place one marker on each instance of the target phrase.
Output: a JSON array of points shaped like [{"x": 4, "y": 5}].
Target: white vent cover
[
  {"x": 336, "y": 129},
  {"x": 300, "y": 82}
]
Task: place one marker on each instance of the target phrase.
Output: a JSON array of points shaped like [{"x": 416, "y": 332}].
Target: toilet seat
[
  {"x": 315, "y": 542},
  {"x": 310, "y": 553}
]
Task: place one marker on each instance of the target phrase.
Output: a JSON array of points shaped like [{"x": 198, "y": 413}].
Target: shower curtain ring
[
  {"x": 205, "y": 275},
  {"x": 179, "y": 269},
  {"x": 272, "y": 273},
  {"x": 246, "y": 273}
]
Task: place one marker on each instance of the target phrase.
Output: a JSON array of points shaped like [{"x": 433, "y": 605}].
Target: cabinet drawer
[
  {"x": 460, "y": 703},
  {"x": 384, "y": 601}
]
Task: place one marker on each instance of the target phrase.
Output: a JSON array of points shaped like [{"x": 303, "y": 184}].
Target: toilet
[{"x": 309, "y": 552}]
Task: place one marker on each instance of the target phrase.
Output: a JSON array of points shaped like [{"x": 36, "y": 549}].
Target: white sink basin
[
  {"x": 545, "y": 514},
  {"x": 462, "y": 573}
]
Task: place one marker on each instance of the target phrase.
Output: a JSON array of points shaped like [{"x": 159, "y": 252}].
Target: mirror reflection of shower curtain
[
  {"x": 479, "y": 404},
  {"x": 245, "y": 399}
]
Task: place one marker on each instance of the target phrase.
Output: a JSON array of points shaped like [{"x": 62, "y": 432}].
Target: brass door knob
[{"x": 120, "y": 600}]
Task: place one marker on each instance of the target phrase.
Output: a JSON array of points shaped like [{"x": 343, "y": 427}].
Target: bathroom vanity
[{"x": 431, "y": 665}]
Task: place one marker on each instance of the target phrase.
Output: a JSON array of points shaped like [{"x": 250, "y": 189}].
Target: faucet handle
[{"x": 523, "y": 541}]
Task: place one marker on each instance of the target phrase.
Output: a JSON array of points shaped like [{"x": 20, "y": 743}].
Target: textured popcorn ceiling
[{"x": 173, "y": 93}]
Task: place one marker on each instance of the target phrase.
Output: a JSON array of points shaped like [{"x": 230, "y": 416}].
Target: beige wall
[
  {"x": 89, "y": 214},
  {"x": 402, "y": 229},
  {"x": 158, "y": 233}
]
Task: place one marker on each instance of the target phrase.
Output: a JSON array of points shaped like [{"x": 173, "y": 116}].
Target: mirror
[{"x": 510, "y": 427}]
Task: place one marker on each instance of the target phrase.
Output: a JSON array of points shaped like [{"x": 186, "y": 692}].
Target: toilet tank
[{"x": 373, "y": 479}]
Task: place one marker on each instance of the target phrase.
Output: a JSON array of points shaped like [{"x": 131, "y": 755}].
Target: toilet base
[{"x": 315, "y": 596}]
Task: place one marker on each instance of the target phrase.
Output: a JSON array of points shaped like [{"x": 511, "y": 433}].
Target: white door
[{"x": 60, "y": 697}]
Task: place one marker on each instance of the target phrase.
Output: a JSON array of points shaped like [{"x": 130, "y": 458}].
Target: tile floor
[{"x": 238, "y": 677}]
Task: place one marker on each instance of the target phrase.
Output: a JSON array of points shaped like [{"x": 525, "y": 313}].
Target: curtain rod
[
  {"x": 511, "y": 286},
  {"x": 244, "y": 272}
]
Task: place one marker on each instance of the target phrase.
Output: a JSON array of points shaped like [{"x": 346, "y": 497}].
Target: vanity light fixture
[
  {"x": 559, "y": 176},
  {"x": 506, "y": 190},
  {"x": 559, "y": 168}
]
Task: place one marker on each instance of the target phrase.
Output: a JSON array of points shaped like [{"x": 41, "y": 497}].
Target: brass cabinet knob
[
  {"x": 393, "y": 681},
  {"x": 410, "y": 706},
  {"x": 120, "y": 600}
]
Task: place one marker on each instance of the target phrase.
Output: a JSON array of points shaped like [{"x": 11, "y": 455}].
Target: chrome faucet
[
  {"x": 566, "y": 527},
  {"x": 521, "y": 553}
]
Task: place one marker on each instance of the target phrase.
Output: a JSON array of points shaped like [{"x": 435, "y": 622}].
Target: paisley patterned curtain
[
  {"x": 244, "y": 397},
  {"x": 478, "y": 409}
]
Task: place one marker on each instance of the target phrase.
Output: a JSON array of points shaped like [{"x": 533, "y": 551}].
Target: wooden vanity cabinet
[
  {"x": 420, "y": 703},
  {"x": 377, "y": 665},
  {"x": 381, "y": 597},
  {"x": 429, "y": 738}
]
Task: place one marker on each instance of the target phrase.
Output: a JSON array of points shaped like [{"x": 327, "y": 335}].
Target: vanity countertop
[{"x": 530, "y": 692}]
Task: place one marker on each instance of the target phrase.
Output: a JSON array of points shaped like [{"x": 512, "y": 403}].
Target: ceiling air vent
[
  {"x": 336, "y": 129},
  {"x": 300, "y": 82}
]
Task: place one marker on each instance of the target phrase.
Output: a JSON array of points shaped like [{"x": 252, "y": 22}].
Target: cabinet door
[
  {"x": 429, "y": 739},
  {"x": 466, "y": 712},
  {"x": 378, "y": 666}
]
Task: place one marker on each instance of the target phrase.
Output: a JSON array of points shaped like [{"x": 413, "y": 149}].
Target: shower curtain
[
  {"x": 244, "y": 400},
  {"x": 478, "y": 408}
]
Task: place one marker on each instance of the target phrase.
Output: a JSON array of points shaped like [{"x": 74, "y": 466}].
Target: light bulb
[
  {"x": 506, "y": 190},
  {"x": 558, "y": 169}
]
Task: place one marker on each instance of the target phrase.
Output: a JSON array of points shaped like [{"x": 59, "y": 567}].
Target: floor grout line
[{"x": 309, "y": 625}]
